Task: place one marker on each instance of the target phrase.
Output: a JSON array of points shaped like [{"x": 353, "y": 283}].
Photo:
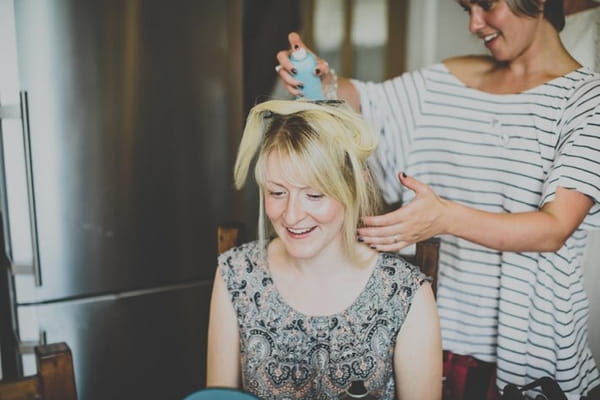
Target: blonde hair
[{"x": 325, "y": 146}]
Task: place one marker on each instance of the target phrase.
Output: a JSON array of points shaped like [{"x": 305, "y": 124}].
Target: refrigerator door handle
[
  {"x": 36, "y": 267},
  {"x": 6, "y": 112},
  {"x": 21, "y": 111},
  {"x": 10, "y": 112}
]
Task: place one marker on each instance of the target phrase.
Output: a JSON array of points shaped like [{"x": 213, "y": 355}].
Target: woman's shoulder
[
  {"x": 469, "y": 67},
  {"x": 242, "y": 248},
  {"x": 241, "y": 256},
  {"x": 583, "y": 76},
  {"x": 394, "y": 266},
  {"x": 399, "y": 280}
]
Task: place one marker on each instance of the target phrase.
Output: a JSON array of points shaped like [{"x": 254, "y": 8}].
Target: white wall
[{"x": 439, "y": 29}]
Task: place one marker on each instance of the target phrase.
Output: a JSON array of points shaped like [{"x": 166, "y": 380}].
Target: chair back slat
[
  {"x": 55, "y": 379},
  {"x": 228, "y": 236},
  {"x": 427, "y": 257},
  {"x": 55, "y": 369},
  {"x": 20, "y": 389}
]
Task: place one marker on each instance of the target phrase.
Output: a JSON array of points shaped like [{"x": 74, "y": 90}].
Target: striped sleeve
[
  {"x": 577, "y": 154},
  {"x": 392, "y": 106}
]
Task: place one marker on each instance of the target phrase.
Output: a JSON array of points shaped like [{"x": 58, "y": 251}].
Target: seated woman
[{"x": 307, "y": 309}]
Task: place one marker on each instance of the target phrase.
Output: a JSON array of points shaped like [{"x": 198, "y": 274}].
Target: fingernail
[
  {"x": 294, "y": 71},
  {"x": 301, "y": 86},
  {"x": 403, "y": 175}
]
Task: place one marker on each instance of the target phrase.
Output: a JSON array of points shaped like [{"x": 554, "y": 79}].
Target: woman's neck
[{"x": 333, "y": 259}]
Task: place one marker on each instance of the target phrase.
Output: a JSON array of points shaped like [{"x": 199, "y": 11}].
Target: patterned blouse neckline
[{"x": 262, "y": 263}]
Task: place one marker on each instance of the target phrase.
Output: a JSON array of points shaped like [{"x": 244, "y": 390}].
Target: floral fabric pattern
[{"x": 288, "y": 355}]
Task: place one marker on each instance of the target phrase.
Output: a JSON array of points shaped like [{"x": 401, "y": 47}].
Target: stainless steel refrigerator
[{"x": 119, "y": 121}]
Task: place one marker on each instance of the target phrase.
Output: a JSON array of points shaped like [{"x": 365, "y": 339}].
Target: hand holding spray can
[{"x": 305, "y": 64}]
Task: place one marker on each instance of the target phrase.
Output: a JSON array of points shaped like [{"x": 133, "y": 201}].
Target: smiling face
[
  {"x": 507, "y": 35},
  {"x": 307, "y": 221}
]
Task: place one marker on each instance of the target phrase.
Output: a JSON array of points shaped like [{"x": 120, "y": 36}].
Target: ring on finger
[
  {"x": 395, "y": 238},
  {"x": 278, "y": 68}
]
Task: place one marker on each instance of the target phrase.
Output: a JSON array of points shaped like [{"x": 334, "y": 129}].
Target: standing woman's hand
[
  {"x": 423, "y": 217},
  {"x": 286, "y": 69}
]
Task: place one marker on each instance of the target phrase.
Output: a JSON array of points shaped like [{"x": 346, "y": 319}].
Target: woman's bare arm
[
  {"x": 223, "y": 361},
  {"x": 418, "y": 351},
  {"x": 428, "y": 215}
]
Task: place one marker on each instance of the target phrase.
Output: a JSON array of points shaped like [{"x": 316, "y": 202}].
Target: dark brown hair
[{"x": 553, "y": 10}]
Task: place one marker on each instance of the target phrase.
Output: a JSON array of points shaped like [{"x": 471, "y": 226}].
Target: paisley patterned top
[{"x": 288, "y": 355}]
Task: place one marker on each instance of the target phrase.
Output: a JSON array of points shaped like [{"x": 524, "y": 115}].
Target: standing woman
[
  {"x": 306, "y": 311},
  {"x": 500, "y": 156}
]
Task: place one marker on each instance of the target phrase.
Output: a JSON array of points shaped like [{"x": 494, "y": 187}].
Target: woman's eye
[
  {"x": 464, "y": 6},
  {"x": 276, "y": 193},
  {"x": 485, "y": 5},
  {"x": 315, "y": 196}
]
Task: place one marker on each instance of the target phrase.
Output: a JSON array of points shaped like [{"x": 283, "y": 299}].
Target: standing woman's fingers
[
  {"x": 391, "y": 247},
  {"x": 388, "y": 219},
  {"x": 387, "y": 234},
  {"x": 283, "y": 58},
  {"x": 322, "y": 68},
  {"x": 380, "y": 232},
  {"x": 295, "y": 41},
  {"x": 286, "y": 71},
  {"x": 413, "y": 184}
]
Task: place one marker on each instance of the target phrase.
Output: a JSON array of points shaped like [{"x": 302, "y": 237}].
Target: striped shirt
[{"x": 500, "y": 153}]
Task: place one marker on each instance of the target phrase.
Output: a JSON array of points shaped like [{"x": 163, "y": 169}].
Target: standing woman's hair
[
  {"x": 553, "y": 10},
  {"x": 323, "y": 146}
]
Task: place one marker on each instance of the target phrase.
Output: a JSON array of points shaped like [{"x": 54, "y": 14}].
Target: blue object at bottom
[{"x": 220, "y": 394}]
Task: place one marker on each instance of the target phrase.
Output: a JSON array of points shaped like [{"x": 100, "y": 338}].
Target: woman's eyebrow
[
  {"x": 274, "y": 183},
  {"x": 299, "y": 187}
]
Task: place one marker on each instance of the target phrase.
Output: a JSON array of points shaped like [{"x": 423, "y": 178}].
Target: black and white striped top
[{"x": 500, "y": 153}]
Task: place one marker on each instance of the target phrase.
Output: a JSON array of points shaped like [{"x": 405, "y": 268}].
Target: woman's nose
[
  {"x": 476, "y": 20},
  {"x": 294, "y": 211}
]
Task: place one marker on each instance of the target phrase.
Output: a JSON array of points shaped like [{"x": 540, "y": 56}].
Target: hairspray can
[{"x": 305, "y": 64}]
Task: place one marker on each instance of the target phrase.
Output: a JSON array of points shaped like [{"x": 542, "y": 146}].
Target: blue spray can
[{"x": 305, "y": 64}]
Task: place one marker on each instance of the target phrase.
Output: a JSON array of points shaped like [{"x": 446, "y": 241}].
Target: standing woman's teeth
[
  {"x": 490, "y": 37},
  {"x": 299, "y": 231}
]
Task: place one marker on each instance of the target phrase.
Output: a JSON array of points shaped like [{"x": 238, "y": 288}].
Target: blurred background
[{"x": 120, "y": 120}]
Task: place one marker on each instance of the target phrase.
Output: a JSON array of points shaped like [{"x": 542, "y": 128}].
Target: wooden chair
[
  {"x": 54, "y": 380},
  {"x": 426, "y": 256}
]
